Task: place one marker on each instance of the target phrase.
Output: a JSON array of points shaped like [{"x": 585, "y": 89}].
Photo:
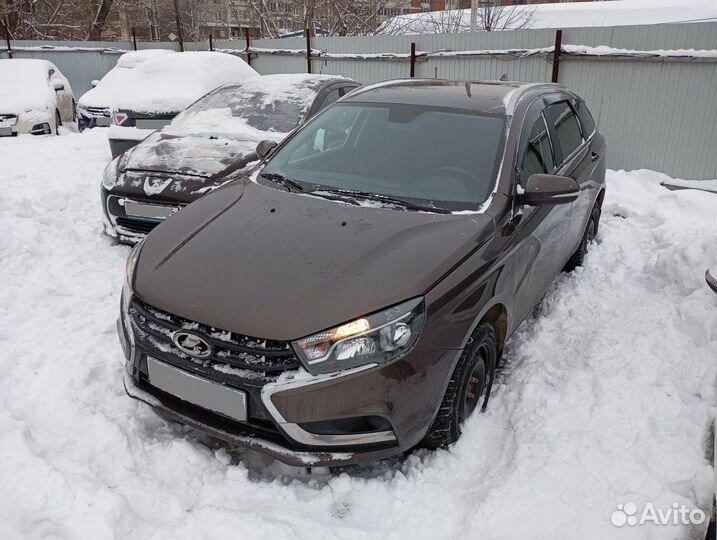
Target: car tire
[
  {"x": 476, "y": 367},
  {"x": 58, "y": 122},
  {"x": 589, "y": 236}
]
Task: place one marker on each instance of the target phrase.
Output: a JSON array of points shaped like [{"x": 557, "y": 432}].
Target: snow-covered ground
[{"x": 606, "y": 395}]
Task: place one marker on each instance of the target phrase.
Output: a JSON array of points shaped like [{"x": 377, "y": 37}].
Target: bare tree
[{"x": 489, "y": 17}]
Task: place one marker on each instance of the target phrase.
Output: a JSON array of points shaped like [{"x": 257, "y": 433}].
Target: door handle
[{"x": 594, "y": 156}]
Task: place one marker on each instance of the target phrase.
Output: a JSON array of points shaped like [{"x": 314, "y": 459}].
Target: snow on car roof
[
  {"x": 171, "y": 82},
  {"x": 564, "y": 15},
  {"x": 23, "y": 84},
  {"x": 134, "y": 58}
]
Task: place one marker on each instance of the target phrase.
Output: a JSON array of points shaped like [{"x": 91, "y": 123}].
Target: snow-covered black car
[
  {"x": 95, "y": 106},
  {"x": 214, "y": 137},
  {"x": 161, "y": 88},
  {"x": 35, "y": 97}
]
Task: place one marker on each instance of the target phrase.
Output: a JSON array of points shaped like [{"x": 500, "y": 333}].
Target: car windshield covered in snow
[
  {"x": 17, "y": 77},
  {"x": 246, "y": 111},
  {"x": 445, "y": 157}
]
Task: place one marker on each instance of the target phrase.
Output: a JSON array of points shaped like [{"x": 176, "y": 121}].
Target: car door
[
  {"x": 61, "y": 96},
  {"x": 540, "y": 230},
  {"x": 574, "y": 162}
]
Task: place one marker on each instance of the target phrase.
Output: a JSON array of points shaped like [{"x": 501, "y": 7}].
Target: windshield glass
[
  {"x": 235, "y": 112},
  {"x": 447, "y": 158},
  {"x": 115, "y": 77}
]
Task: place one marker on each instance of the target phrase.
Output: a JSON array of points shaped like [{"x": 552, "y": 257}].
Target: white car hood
[
  {"x": 26, "y": 101},
  {"x": 97, "y": 97}
]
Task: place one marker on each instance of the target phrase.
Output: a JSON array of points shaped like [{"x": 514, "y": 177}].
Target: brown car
[{"x": 351, "y": 298}]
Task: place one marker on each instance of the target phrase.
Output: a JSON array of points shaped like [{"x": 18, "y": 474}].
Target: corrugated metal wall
[{"x": 660, "y": 114}]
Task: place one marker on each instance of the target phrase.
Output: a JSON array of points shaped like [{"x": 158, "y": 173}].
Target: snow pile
[
  {"x": 605, "y": 397},
  {"x": 562, "y": 15},
  {"x": 171, "y": 82}
]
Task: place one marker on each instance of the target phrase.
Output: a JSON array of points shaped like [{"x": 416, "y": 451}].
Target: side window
[
  {"x": 566, "y": 127},
  {"x": 330, "y": 98},
  {"x": 538, "y": 157},
  {"x": 586, "y": 119}
]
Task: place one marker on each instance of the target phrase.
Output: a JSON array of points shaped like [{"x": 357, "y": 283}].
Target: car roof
[{"x": 490, "y": 97}]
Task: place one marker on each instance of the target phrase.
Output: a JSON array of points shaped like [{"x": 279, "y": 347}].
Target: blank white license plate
[
  {"x": 148, "y": 123},
  {"x": 213, "y": 396},
  {"x": 148, "y": 211},
  {"x": 5, "y": 131},
  {"x": 102, "y": 121}
]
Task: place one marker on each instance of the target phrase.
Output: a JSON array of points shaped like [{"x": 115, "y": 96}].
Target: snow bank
[
  {"x": 564, "y": 15},
  {"x": 605, "y": 396}
]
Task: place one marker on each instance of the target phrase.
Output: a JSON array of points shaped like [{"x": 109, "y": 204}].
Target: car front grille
[
  {"x": 98, "y": 111},
  {"x": 234, "y": 358},
  {"x": 137, "y": 225}
]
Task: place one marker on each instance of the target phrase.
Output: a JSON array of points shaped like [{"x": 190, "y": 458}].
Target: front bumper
[
  {"x": 127, "y": 228},
  {"x": 405, "y": 394}
]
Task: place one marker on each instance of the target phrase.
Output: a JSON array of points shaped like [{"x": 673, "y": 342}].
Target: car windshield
[
  {"x": 15, "y": 75},
  {"x": 237, "y": 113},
  {"x": 439, "y": 157},
  {"x": 116, "y": 77}
]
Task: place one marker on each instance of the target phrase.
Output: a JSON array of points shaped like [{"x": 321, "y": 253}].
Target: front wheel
[
  {"x": 578, "y": 258},
  {"x": 468, "y": 389}
]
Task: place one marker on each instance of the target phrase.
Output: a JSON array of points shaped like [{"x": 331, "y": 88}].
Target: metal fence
[{"x": 658, "y": 110}]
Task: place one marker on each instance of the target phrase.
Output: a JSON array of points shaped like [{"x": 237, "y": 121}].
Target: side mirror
[
  {"x": 58, "y": 86},
  {"x": 264, "y": 148},
  {"x": 94, "y": 83},
  {"x": 544, "y": 189}
]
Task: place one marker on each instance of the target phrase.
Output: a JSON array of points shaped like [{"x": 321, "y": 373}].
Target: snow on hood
[
  {"x": 172, "y": 82},
  {"x": 196, "y": 155},
  {"x": 24, "y": 86}
]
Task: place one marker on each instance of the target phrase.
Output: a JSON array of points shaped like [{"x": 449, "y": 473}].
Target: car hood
[
  {"x": 180, "y": 169},
  {"x": 270, "y": 264},
  {"x": 99, "y": 96},
  {"x": 27, "y": 101}
]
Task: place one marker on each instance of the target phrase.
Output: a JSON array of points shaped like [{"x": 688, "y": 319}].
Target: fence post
[
  {"x": 248, "y": 44},
  {"x": 9, "y": 49},
  {"x": 556, "y": 55},
  {"x": 413, "y": 59},
  {"x": 308, "y": 51},
  {"x": 134, "y": 39},
  {"x": 180, "y": 34},
  {"x": 211, "y": 43}
]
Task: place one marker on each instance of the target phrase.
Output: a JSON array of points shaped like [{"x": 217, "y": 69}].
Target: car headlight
[
  {"x": 109, "y": 176},
  {"x": 127, "y": 289},
  {"x": 374, "y": 339}
]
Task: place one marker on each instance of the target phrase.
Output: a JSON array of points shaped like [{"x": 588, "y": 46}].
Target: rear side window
[
  {"x": 538, "y": 156},
  {"x": 566, "y": 127},
  {"x": 586, "y": 119}
]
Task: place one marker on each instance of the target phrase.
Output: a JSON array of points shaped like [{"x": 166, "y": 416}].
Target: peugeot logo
[{"x": 192, "y": 344}]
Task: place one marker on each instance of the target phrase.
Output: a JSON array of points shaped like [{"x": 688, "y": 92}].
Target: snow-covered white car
[
  {"x": 35, "y": 97},
  {"x": 161, "y": 88},
  {"x": 94, "y": 107}
]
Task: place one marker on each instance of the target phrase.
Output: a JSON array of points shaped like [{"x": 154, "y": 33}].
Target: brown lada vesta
[{"x": 351, "y": 298}]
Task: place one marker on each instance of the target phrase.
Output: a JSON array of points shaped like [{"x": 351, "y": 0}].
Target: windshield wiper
[
  {"x": 344, "y": 194},
  {"x": 288, "y": 183}
]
